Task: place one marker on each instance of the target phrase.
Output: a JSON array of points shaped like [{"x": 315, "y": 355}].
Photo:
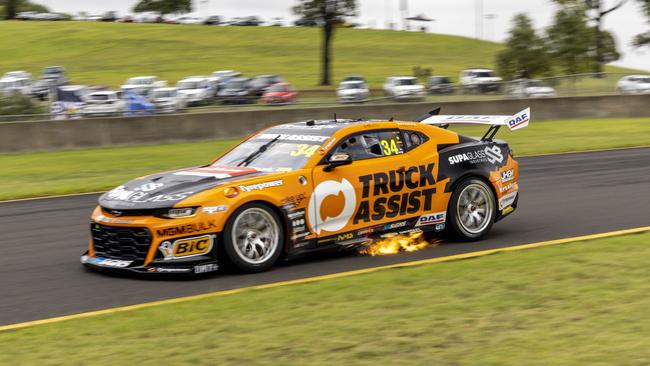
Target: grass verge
[
  {"x": 578, "y": 304},
  {"x": 77, "y": 171}
]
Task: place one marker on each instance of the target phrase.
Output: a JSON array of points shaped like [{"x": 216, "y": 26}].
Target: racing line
[{"x": 562, "y": 195}]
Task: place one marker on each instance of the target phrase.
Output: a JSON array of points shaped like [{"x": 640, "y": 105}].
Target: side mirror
[{"x": 338, "y": 159}]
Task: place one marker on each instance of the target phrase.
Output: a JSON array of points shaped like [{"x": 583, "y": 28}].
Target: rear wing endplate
[{"x": 515, "y": 122}]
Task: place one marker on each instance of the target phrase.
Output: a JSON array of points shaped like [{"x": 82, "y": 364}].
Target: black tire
[
  {"x": 457, "y": 228},
  {"x": 236, "y": 254}
]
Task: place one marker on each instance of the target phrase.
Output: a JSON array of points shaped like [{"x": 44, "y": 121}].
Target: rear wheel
[
  {"x": 253, "y": 238},
  {"x": 472, "y": 210}
]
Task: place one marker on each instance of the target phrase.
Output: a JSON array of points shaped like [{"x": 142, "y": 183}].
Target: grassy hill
[{"x": 109, "y": 53}]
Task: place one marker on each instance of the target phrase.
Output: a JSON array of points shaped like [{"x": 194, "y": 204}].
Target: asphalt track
[{"x": 561, "y": 196}]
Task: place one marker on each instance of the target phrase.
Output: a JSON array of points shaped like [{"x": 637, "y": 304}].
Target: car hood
[
  {"x": 351, "y": 91},
  {"x": 164, "y": 190}
]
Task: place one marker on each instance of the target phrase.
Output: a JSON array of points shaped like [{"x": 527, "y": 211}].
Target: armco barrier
[{"x": 73, "y": 134}]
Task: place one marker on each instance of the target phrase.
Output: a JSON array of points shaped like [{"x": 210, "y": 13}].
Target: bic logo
[{"x": 184, "y": 248}]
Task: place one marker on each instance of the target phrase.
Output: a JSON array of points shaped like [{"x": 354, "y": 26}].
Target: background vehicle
[
  {"x": 251, "y": 21},
  {"x": 404, "y": 88},
  {"x": 280, "y": 93},
  {"x": 222, "y": 76},
  {"x": 212, "y": 20},
  {"x": 259, "y": 84},
  {"x": 305, "y": 22},
  {"x": 355, "y": 78},
  {"x": 479, "y": 80},
  {"x": 168, "y": 100},
  {"x": 634, "y": 84},
  {"x": 142, "y": 85},
  {"x": 53, "y": 71},
  {"x": 41, "y": 89},
  {"x": 104, "y": 103},
  {"x": 237, "y": 91},
  {"x": 17, "y": 74},
  {"x": 19, "y": 85},
  {"x": 110, "y": 16},
  {"x": 439, "y": 85},
  {"x": 137, "y": 105},
  {"x": 353, "y": 91},
  {"x": 196, "y": 90},
  {"x": 527, "y": 88}
]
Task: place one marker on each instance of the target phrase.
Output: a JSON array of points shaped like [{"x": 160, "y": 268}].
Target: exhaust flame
[{"x": 398, "y": 243}]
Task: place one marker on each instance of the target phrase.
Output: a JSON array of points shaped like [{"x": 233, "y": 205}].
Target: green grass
[
  {"x": 577, "y": 304},
  {"x": 50, "y": 173},
  {"x": 109, "y": 53}
]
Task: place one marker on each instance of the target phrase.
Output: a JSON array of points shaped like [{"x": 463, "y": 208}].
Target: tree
[
  {"x": 526, "y": 54},
  {"x": 329, "y": 13},
  {"x": 164, "y": 6},
  {"x": 570, "y": 41},
  {"x": 11, "y": 7},
  {"x": 643, "y": 39},
  {"x": 602, "y": 40}
]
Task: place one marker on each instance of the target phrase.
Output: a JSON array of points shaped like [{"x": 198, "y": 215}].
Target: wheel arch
[
  {"x": 283, "y": 220},
  {"x": 476, "y": 174}
]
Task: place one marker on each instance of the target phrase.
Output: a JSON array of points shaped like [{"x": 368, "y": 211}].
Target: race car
[{"x": 310, "y": 186}]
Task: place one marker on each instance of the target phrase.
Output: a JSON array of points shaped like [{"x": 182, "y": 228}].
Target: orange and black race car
[{"x": 309, "y": 186}]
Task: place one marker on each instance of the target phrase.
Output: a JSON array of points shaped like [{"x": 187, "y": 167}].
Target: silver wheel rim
[
  {"x": 255, "y": 235},
  {"x": 475, "y": 208}
]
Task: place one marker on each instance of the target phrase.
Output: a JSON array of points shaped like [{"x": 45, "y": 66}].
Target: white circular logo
[{"x": 322, "y": 191}]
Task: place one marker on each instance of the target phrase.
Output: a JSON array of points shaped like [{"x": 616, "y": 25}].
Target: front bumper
[{"x": 197, "y": 266}]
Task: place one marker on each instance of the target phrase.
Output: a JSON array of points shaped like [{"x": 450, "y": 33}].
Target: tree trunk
[
  {"x": 10, "y": 9},
  {"x": 598, "y": 64},
  {"x": 328, "y": 32}
]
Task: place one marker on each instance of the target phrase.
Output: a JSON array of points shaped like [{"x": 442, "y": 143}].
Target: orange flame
[{"x": 398, "y": 243}]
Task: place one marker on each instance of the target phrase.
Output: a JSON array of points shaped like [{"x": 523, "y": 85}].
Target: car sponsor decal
[
  {"x": 187, "y": 228},
  {"x": 205, "y": 268},
  {"x": 109, "y": 262},
  {"x": 140, "y": 195},
  {"x": 489, "y": 154},
  {"x": 261, "y": 186},
  {"x": 214, "y": 209},
  {"x": 321, "y": 192},
  {"x": 507, "y": 175},
  {"x": 507, "y": 200},
  {"x": 378, "y": 203},
  {"x": 217, "y": 172},
  {"x": 186, "y": 247},
  {"x": 290, "y": 137},
  {"x": 431, "y": 219}
]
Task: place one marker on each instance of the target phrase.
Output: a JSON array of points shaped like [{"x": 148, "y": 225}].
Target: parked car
[
  {"x": 222, "y": 76},
  {"x": 528, "y": 88},
  {"x": 353, "y": 91},
  {"x": 280, "y": 93},
  {"x": 305, "y": 22},
  {"x": 187, "y": 20},
  {"x": 13, "y": 85},
  {"x": 104, "y": 103},
  {"x": 17, "y": 74},
  {"x": 43, "y": 87},
  {"x": 634, "y": 84},
  {"x": 110, "y": 16},
  {"x": 26, "y": 15},
  {"x": 480, "y": 80},
  {"x": 237, "y": 91},
  {"x": 143, "y": 85},
  {"x": 168, "y": 100},
  {"x": 259, "y": 84},
  {"x": 212, "y": 20},
  {"x": 404, "y": 88},
  {"x": 137, "y": 105},
  {"x": 439, "y": 85},
  {"x": 196, "y": 90},
  {"x": 251, "y": 21}
]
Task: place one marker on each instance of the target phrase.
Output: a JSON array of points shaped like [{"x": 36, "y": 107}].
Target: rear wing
[{"x": 515, "y": 122}]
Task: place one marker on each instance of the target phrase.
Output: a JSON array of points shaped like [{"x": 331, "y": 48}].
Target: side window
[
  {"x": 373, "y": 144},
  {"x": 413, "y": 139}
]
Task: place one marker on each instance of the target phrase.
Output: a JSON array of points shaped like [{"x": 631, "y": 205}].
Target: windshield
[
  {"x": 100, "y": 97},
  {"x": 183, "y": 85},
  {"x": 278, "y": 88},
  {"x": 406, "y": 82},
  {"x": 236, "y": 85},
  {"x": 164, "y": 94},
  {"x": 643, "y": 80},
  {"x": 440, "y": 80},
  {"x": 262, "y": 81},
  {"x": 289, "y": 152},
  {"x": 6, "y": 84},
  {"x": 534, "y": 83},
  {"x": 352, "y": 85},
  {"x": 483, "y": 74}
]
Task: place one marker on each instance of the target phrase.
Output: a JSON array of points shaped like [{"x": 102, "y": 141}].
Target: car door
[{"x": 370, "y": 191}]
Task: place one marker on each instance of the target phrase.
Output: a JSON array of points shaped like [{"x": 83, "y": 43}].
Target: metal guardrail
[{"x": 587, "y": 84}]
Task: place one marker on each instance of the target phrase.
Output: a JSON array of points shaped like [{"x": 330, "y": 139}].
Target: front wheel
[
  {"x": 253, "y": 238},
  {"x": 472, "y": 210}
]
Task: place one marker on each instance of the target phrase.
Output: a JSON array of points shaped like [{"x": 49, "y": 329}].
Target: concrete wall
[{"x": 72, "y": 134}]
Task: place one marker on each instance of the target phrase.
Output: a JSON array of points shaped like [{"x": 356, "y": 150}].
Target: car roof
[
  {"x": 193, "y": 78},
  {"x": 165, "y": 89}
]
